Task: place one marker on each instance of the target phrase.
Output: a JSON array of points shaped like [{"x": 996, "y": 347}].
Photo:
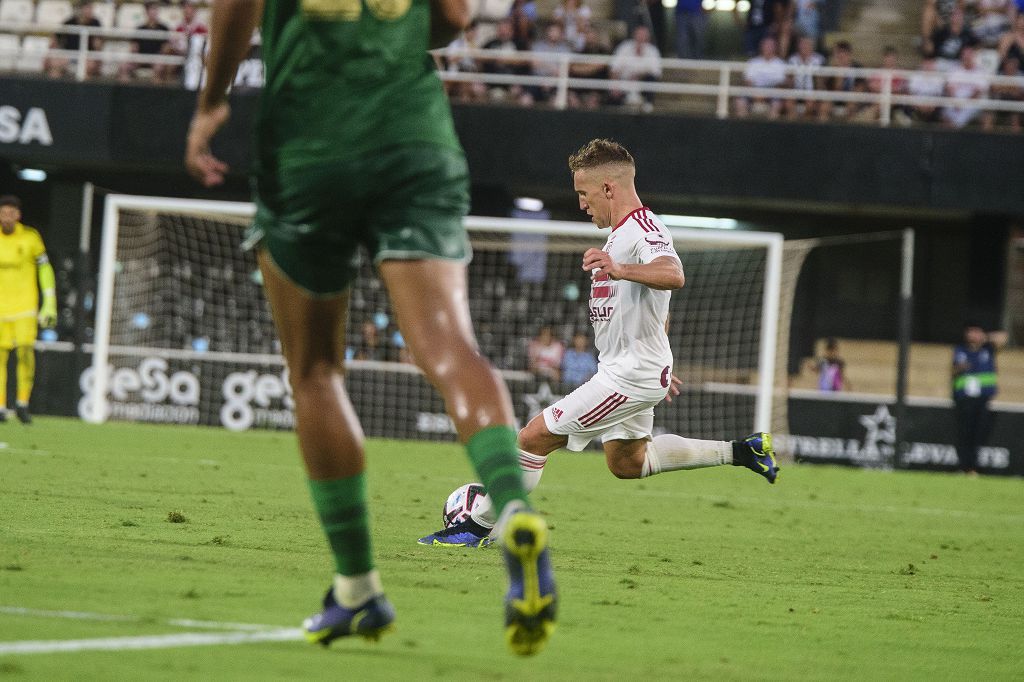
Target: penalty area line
[{"x": 186, "y": 639}]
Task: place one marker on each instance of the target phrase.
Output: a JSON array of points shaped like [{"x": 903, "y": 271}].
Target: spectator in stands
[
  {"x": 1011, "y": 45},
  {"x": 524, "y": 23},
  {"x": 966, "y": 82},
  {"x": 553, "y": 43},
  {"x": 149, "y": 47},
  {"x": 504, "y": 42},
  {"x": 593, "y": 44},
  {"x": 574, "y": 16},
  {"x": 807, "y": 21},
  {"x": 927, "y": 83},
  {"x": 974, "y": 386},
  {"x": 691, "y": 29},
  {"x": 544, "y": 354},
  {"x": 635, "y": 59},
  {"x": 578, "y": 362},
  {"x": 766, "y": 70},
  {"x": 898, "y": 86},
  {"x": 179, "y": 44},
  {"x": 57, "y": 67},
  {"x": 994, "y": 19},
  {"x": 456, "y": 61},
  {"x": 1010, "y": 92},
  {"x": 805, "y": 60},
  {"x": 831, "y": 368},
  {"x": 842, "y": 57},
  {"x": 936, "y": 14},
  {"x": 370, "y": 345},
  {"x": 947, "y": 41}
]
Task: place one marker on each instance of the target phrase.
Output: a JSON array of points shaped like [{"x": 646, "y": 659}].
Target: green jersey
[{"x": 347, "y": 78}]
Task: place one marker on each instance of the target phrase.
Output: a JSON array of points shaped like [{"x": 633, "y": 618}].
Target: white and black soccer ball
[{"x": 461, "y": 503}]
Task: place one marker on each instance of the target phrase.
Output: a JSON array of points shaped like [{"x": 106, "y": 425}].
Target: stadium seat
[
  {"x": 104, "y": 12},
  {"x": 170, "y": 15},
  {"x": 17, "y": 11},
  {"x": 33, "y": 53},
  {"x": 130, "y": 15},
  {"x": 9, "y": 46},
  {"x": 53, "y": 12},
  {"x": 203, "y": 15}
]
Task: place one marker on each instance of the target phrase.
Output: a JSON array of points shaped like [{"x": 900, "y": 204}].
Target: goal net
[{"x": 183, "y": 333}]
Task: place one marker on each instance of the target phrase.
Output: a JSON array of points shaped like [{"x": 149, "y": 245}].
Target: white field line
[
  {"x": 176, "y": 622},
  {"x": 148, "y": 642}
]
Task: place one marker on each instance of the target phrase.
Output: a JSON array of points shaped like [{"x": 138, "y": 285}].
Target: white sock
[
  {"x": 533, "y": 467},
  {"x": 669, "y": 452},
  {"x": 354, "y": 590}
]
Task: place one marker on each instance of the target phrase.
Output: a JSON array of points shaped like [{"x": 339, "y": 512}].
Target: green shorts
[{"x": 405, "y": 203}]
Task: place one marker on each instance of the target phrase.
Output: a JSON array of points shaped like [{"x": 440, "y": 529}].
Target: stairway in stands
[{"x": 871, "y": 25}]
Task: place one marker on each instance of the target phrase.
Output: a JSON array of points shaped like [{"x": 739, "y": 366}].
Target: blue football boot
[
  {"x": 757, "y": 454},
  {"x": 467, "y": 533},
  {"x": 369, "y": 621},
  {"x": 532, "y": 601}
]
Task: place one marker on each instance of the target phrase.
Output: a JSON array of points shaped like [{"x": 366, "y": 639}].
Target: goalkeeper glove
[{"x": 48, "y": 311}]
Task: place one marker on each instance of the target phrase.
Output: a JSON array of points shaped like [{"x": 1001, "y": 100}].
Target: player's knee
[{"x": 313, "y": 376}]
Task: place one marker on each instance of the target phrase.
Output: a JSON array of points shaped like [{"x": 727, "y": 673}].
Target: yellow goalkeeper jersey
[{"x": 21, "y": 254}]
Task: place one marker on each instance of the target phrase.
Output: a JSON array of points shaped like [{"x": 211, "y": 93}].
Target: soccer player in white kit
[{"x": 631, "y": 282}]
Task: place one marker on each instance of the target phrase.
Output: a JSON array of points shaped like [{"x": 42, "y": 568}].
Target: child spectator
[
  {"x": 876, "y": 83},
  {"x": 831, "y": 368},
  {"x": 842, "y": 57}
]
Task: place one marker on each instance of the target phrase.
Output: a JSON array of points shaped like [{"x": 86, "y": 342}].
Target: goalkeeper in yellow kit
[{"x": 22, "y": 257}]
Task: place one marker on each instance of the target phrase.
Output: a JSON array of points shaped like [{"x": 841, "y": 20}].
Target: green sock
[
  {"x": 341, "y": 505},
  {"x": 495, "y": 456}
]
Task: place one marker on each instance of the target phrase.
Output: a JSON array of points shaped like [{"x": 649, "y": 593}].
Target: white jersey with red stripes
[{"x": 634, "y": 355}]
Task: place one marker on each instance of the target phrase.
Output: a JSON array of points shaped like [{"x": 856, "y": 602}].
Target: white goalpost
[{"x": 183, "y": 333}]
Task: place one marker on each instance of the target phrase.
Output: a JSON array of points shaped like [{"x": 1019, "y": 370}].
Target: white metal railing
[
  {"x": 719, "y": 81},
  {"x": 83, "y": 55}
]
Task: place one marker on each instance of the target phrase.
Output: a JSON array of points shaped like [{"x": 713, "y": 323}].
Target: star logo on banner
[
  {"x": 536, "y": 402},
  {"x": 881, "y": 428}
]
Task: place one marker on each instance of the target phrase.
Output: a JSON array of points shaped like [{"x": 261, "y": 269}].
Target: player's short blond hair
[{"x": 600, "y": 152}]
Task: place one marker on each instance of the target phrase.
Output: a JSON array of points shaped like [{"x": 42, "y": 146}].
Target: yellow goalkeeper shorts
[{"x": 18, "y": 332}]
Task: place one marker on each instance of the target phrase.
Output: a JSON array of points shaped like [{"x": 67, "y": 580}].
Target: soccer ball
[{"x": 461, "y": 503}]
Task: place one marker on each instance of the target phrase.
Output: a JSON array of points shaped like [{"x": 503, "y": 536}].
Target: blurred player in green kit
[{"x": 355, "y": 147}]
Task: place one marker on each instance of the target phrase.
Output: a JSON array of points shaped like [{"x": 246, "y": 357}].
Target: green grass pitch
[{"x": 832, "y": 573}]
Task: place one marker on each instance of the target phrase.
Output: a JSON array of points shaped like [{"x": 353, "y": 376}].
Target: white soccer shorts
[{"x": 595, "y": 409}]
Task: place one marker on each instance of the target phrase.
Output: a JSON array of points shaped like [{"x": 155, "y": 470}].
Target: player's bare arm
[
  {"x": 448, "y": 18},
  {"x": 231, "y": 25},
  {"x": 662, "y": 273}
]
